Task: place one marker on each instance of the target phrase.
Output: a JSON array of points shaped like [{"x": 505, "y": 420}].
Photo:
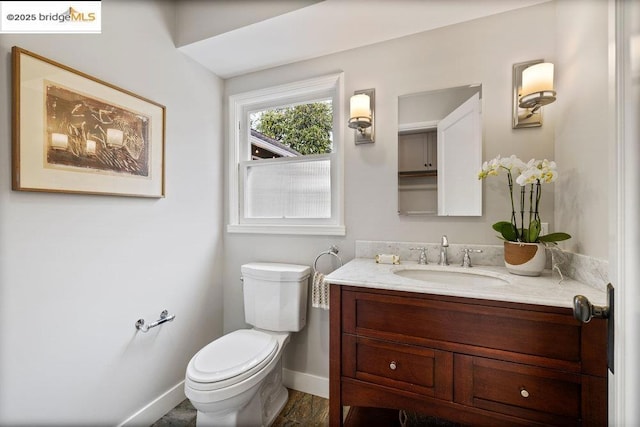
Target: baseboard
[
  {"x": 307, "y": 383},
  {"x": 152, "y": 412},
  {"x": 149, "y": 414}
]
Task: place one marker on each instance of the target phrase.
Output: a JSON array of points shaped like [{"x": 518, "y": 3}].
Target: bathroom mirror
[{"x": 440, "y": 152}]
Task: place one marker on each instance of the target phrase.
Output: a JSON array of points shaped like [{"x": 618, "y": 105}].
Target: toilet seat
[{"x": 231, "y": 359}]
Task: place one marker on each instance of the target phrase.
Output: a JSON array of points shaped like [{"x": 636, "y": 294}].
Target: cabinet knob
[
  {"x": 524, "y": 393},
  {"x": 393, "y": 365}
]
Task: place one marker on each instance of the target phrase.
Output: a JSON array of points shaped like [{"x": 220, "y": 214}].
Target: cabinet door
[
  {"x": 411, "y": 152},
  {"x": 460, "y": 149},
  {"x": 431, "y": 151},
  {"x": 418, "y": 152}
]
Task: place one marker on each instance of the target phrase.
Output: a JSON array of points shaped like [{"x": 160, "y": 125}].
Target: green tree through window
[{"x": 305, "y": 128}]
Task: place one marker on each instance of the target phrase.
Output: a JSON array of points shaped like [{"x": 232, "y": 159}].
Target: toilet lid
[{"x": 231, "y": 355}]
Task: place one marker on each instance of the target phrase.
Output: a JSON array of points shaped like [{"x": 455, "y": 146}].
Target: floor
[
  {"x": 301, "y": 410},
  {"x": 306, "y": 410}
]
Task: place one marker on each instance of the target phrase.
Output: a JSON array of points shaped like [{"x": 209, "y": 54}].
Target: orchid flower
[{"x": 530, "y": 176}]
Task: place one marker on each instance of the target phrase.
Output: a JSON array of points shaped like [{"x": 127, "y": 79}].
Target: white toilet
[{"x": 236, "y": 380}]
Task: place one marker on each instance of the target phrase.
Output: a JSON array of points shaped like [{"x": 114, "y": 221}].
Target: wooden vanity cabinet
[{"x": 471, "y": 361}]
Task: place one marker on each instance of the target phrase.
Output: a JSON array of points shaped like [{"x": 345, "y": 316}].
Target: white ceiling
[{"x": 332, "y": 26}]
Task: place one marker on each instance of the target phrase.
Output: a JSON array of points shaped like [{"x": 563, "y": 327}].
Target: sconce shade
[
  {"x": 360, "y": 111},
  {"x": 537, "y": 85},
  {"x": 537, "y": 78}
]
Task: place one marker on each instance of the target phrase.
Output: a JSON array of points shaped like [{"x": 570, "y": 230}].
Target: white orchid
[
  {"x": 512, "y": 163},
  {"x": 543, "y": 171},
  {"x": 530, "y": 175},
  {"x": 493, "y": 166},
  {"x": 548, "y": 171}
]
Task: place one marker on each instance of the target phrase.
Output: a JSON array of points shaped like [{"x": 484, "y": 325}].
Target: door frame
[{"x": 624, "y": 250}]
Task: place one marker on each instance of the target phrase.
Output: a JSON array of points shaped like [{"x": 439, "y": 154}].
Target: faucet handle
[
  {"x": 423, "y": 254},
  {"x": 466, "y": 258}
]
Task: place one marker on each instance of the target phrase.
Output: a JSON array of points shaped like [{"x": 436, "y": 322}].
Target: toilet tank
[{"x": 275, "y": 295}]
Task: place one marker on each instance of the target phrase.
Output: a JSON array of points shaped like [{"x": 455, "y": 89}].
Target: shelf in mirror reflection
[
  {"x": 417, "y": 174},
  {"x": 417, "y": 213}
]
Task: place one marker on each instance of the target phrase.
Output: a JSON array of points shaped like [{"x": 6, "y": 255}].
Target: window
[{"x": 285, "y": 157}]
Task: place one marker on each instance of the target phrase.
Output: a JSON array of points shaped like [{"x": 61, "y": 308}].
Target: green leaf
[
  {"x": 498, "y": 225},
  {"x": 534, "y": 231},
  {"x": 554, "y": 237},
  {"x": 507, "y": 230}
]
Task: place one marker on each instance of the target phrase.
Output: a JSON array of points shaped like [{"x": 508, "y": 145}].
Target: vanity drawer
[
  {"x": 545, "y": 395},
  {"x": 416, "y": 369},
  {"x": 434, "y": 321}
]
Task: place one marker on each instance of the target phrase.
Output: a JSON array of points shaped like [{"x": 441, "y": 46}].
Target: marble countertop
[{"x": 541, "y": 290}]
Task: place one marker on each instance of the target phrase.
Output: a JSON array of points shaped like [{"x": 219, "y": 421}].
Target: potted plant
[{"x": 524, "y": 246}]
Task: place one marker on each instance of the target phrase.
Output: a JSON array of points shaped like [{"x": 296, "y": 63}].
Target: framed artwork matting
[{"x": 74, "y": 133}]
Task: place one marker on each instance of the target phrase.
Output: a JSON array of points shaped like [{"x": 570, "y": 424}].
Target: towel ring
[{"x": 333, "y": 251}]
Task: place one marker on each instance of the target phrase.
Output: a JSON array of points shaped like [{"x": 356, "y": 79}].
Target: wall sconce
[
  {"x": 532, "y": 88},
  {"x": 361, "y": 117}
]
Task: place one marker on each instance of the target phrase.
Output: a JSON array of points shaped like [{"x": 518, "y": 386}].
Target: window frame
[{"x": 328, "y": 86}]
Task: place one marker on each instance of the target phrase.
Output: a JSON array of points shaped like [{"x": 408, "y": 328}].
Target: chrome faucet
[
  {"x": 466, "y": 258},
  {"x": 422, "y": 259},
  {"x": 444, "y": 244}
]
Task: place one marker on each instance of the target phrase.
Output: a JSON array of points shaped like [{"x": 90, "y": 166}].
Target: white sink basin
[{"x": 451, "y": 277}]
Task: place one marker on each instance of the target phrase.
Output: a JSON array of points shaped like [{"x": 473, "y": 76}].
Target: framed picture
[{"x": 73, "y": 133}]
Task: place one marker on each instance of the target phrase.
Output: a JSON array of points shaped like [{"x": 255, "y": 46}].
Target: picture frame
[{"x": 74, "y": 133}]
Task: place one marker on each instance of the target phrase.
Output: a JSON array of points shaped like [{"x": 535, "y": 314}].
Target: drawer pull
[
  {"x": 393, "y": 365},
  {"x": 524, "y": 393}
]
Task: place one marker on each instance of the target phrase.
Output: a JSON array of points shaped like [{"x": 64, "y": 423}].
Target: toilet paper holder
[{"x": 164, "y": 317}]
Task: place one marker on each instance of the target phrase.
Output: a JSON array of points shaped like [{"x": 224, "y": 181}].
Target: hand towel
[{"x": 320, "y": 291}]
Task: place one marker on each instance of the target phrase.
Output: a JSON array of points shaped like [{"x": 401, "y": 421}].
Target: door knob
[{"x": 584, "y": 311}]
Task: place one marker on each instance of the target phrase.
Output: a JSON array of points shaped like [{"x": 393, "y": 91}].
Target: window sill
[{"x": 315, "y": 230}]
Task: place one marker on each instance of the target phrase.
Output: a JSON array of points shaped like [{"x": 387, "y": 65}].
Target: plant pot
[{"x": 524, "y": 259}]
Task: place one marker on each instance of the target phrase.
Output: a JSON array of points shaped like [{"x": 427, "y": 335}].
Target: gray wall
[
  {"x": 434, "y": 105},
  {"x": 481, "y": 51},
  {"x": 77, "y": 271},
  {"x": 583, "y": 146}
]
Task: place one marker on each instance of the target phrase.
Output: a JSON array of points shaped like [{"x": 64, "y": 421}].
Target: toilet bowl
[{"x": 236, "y": 380}]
